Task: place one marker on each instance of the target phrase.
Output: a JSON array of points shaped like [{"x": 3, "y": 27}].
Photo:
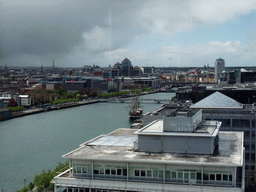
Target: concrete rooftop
[{"x": 229, "y": 152}]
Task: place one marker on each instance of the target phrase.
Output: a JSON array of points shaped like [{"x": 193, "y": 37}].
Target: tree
[
  {"x": 31, "y": 186},
  {"x": 12, "y": 103}
]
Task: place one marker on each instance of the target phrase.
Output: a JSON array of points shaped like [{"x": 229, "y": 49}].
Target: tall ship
[{"x": 136, "y": 112}]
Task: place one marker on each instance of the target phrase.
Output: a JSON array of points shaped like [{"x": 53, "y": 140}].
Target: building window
[
  {"x": 85, "y": 170},
  {"x": 212, "y": 176},
  {"x": 155, "y": 173},
  {"x": 124, "y": 172},
  {"x": 107, "y": 171},
  {"x": 96, "y": 172},
  {"x": 199, "y": 176},
  {"x": 218, "y": 177},
  {"x": 102, "y": 171},
  {"x": 205, "y": 177},
  {"x": 119, "y": 171},
  {"x": 167, "y": 174},
  {"x": 113, "y": 171},
  {"x": 174, "y": 175},
  {"x": 137, "y": 173},
  {"x": 79, "y": 169}
]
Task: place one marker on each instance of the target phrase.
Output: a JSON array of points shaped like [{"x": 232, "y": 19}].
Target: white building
[{"x": 178, "y": 153}]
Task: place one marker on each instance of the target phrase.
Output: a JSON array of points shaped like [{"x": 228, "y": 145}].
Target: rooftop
[
  {"x": 207, "y": 128},
  {"x": 218, "y": 100},
  {"x": 116, "y": 146}
]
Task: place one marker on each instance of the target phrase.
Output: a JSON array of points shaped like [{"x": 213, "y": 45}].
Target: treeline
[
  {"x": 14, "y": 109},
  {"x": 40, "y": 96},
  {"x": 42, "y": 182}
]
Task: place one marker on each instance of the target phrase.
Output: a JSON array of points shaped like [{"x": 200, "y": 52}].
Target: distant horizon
[{"x": 56, "y": 67}]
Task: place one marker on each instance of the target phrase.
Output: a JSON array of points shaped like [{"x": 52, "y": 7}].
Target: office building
[
  {"x": 126, "y": 68},
  {"x": 219, "y": 68},
  {"x": 234, "y": 117},
  {"x": 177, "y": 153}
]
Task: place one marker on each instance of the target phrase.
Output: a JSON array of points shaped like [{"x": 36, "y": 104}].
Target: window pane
[
  {"x": 119, "y": 171},
  {"x": 218, "y": 177},
  {"x": 212, "y": 176},
  {"x": 174, "y": 175},
  {"x": 96, "y": 172},
  {"x": 205, "y": 176},
  {"x": 78, "y": 170},
  {"x": 113, "y": 171},
  {"x": 161, "y": 174},
  {"x": 186, "y": 176},
  {"x": 124, "y": 172},
  {"x": 149, "y": 174},
  {"x": 198, "y": 176},
  {"x": 192, "y": 176},
  {"x": 101, "y": 170},
  {"x": 167, "y": 174},
  {"x": 84, "y": 169},
  {"x": 230, "y": 177},
  {"x": 107, "y": 171},
  {"x": 225, "y": 177},
  {"x": 155, "y": 173},
  {"x": 143, "y": 173},
  {"x": 180, "y": 175},
  {"x": 137, "y": 173}
]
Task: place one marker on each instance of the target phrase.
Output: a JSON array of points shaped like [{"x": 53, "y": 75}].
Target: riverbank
[
  {"x": 63, "y": 106},
  {"x": 54, "y": 107}
]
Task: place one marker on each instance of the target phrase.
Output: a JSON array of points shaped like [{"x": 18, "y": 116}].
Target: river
[{"x": 31, "y": 144}]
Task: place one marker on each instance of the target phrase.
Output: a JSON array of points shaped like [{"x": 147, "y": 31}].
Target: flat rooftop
[
  {"x": 229, "y": 152},
  {"x": 207, "y": 128}
]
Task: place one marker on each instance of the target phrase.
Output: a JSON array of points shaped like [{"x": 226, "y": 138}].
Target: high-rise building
[
  {"x": 126, "y": 67},
  {"x": 219, "y": 67}
]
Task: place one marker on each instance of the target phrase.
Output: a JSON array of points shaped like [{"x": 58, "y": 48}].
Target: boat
[{"x": 136, "y": 112}]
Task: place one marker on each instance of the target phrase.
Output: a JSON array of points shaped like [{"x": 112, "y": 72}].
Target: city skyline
[{"x": 148, "y": 33}]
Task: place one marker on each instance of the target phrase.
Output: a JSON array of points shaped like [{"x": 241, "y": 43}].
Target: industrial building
[{"x": 180, "y": 152}]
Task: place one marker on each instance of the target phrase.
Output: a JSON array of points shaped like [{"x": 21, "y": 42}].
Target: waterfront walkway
[{"x": 53, "y": 107}]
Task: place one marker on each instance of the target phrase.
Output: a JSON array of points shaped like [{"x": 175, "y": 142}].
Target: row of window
[
  {"x": 217, "y": 177},
  {"x": 237, "y": 123},
  {"x": 178, "y": 175},
  {"x": 183, "y": 175},
  {"x": 110, "y": 171},
  {"x": 148, "y": 173},
  {"x": 81, "y": 169}
]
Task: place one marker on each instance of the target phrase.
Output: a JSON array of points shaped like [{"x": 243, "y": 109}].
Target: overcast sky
[{"x": 150, "y": 33}]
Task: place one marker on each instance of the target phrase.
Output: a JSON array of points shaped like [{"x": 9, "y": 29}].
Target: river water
[{"x": 31, "y": 144}]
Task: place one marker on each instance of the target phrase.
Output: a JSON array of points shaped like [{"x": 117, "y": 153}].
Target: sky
[{"x": 160, "y": 33}]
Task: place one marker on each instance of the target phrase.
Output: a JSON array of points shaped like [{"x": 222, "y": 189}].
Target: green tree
[
  {"x": 24, "y": 189},
  {"x": 61, "y": 91},
  {"x": 31, "y": 186}
]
